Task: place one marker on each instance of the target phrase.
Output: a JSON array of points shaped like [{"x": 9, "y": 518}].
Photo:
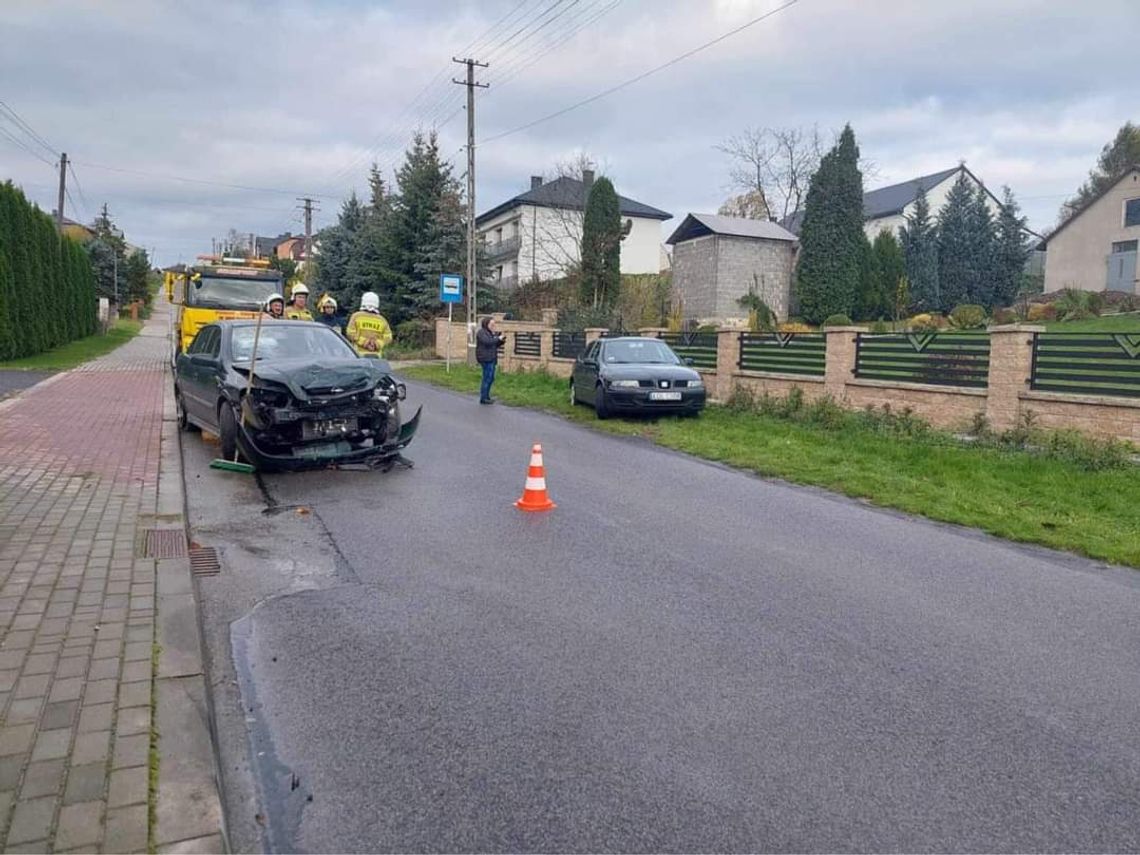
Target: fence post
[
  {"x": 727, "y": 362},
  {"x": 840, "y": 360},
  {"x": 1011, "y": 360},
  {"x": 545, "y": 347},
  {"x": 507, "y": 354},
  {"x": 594, "y": 333},
  {"x": 652, "y": 332}
]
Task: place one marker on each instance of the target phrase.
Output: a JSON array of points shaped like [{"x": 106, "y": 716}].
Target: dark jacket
[
  {"x": 329, "y": 321},
  {"x": 487, "y": 345}
]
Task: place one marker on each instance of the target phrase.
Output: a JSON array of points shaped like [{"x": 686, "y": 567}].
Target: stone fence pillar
[
  {"x": 545, "y": 346},
  {"x": 594, "y": 333},
  {"x": 840, "y": 365},
  {"x": 652, "y": 332},
  {"x": 550, "y": 317},
  {"x": 1011, "y": 361},
  {"x": 727, "y": 362}
]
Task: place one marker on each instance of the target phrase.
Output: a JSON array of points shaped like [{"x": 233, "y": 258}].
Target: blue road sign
[{"x": 450, "y": 288}]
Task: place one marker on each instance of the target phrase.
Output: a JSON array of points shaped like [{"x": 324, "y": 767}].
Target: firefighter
[
  {"x": 297, "y": 310},
  {"x": 326, "y": 308},
  {"x": 368, "y": 330},
  {"x": 275, "y": 306}
]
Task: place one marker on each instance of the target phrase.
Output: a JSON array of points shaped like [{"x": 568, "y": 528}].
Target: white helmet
[
  {"x": 326, "y": 301},
  {"x": 300, "y": 288},
  {"x": 369, "y": 302},
  {"x": 273, "y": 298}
]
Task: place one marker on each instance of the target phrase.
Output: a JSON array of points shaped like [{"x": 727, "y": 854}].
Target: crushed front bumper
[{"x": 316, "y": 455}]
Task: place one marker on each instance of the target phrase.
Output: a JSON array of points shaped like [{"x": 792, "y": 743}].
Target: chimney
[
  {"x": 588, "y": 178},
  {"x": 535, "y": 182}
]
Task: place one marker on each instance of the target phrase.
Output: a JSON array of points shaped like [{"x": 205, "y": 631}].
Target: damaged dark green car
[{"x": 312, "y": 401}]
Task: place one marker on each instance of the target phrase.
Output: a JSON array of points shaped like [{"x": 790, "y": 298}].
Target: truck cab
[{"x": 221, "y": 289}]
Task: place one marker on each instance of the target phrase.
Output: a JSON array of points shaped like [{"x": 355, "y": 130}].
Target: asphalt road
[
  {"x": 679, "y": 658},
  {"x": 15, "y": 381}
]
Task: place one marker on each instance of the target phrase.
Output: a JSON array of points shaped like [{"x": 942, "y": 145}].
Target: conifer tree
[
  {"x": 1012, "y": 251},
  {"x": 832, "y": 242},
  {"x": 919, "y": 239},
  {"x": 957, "y": 267},
  {"x": 601, "y": 245}
]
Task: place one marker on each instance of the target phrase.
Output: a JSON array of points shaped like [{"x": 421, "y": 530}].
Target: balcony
[{"x": 495, "y": 251}]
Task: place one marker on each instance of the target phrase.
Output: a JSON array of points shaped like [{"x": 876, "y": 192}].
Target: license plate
[
  {"x": 664, "y": 396},
  {"x": 327, "y": 428}
]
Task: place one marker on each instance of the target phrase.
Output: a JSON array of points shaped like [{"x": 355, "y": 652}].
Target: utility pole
[
  {"x": 472, "y": 307},
  {"x": 62, "y": 191},
  {"x": 308, "y": 237}
]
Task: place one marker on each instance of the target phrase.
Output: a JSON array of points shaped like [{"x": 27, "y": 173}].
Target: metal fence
[
  {"x": 699, "y": 347},
  {"x": 528, "y": 344},
  {"x": 568, "y": 345},
  {"x": 942, "y": 359},
  {"x": 784, "y": 353},
  {"x": 1086, "y": 363},
  {"x": 618, "y": 333}
]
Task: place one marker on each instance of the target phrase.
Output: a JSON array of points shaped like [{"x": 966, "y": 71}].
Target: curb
[{"x": 187, "y": 806}]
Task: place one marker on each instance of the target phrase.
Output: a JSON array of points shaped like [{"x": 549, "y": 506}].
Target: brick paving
[{"x": 79, "y": 466}]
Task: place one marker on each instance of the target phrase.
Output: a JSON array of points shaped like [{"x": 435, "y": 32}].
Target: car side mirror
[{"x": 689, "y": 360}]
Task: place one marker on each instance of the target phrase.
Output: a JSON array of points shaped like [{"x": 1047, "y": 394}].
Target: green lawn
[
  {"x": 1011, "y": 494},
  {"x": 79, "y": 351},
  {"x": 1126, "y": 323}
]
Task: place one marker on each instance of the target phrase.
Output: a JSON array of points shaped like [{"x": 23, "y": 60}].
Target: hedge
[{"x": 47, "y": 286}]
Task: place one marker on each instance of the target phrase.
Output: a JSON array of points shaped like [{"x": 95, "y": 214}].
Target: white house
[
  {"x": 889, "y": 207},
  {"x": 1096, "y": 248},
  {"x": 538, "y": 234}
]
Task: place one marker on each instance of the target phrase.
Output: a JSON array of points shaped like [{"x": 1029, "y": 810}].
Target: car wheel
[
  {"x": 227, "y": 430},
  {"x": 601, "y": 407},
  {"x": 184, "y": 422}
]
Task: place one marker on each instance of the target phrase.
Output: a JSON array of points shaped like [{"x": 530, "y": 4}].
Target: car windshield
[
  {"x": 639, "y": 351},
  {"x": 288, "y": 341},
  {"x": 217, "y": 292}
]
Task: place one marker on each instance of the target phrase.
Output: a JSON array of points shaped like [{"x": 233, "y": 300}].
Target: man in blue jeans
[{"x": 487, "y": 344}]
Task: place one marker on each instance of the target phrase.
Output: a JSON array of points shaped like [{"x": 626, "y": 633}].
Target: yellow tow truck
[{"x": 218, "y": 289}]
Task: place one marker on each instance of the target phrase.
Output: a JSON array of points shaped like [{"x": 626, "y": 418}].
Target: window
[
  {"x": 1124, "y": 246},
  {"x": 1132, "y": 212}
]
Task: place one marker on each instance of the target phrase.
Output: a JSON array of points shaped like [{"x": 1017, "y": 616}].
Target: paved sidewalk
[{"x": 79, "y": 486}]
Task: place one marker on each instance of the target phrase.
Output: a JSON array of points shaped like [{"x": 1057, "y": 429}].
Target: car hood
[
  {"x": 648, "y": 371},
  {"x": 307, "y": 377}
]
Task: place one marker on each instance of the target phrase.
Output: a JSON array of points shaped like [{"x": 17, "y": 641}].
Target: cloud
[{"x": 301, "y": 95}]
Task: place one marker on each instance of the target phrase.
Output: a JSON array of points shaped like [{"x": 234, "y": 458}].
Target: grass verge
[
  {"x": 1124, "y": 323},
  {"x": 77, "y": 352},
  {"x": 1072, "y": 495}
]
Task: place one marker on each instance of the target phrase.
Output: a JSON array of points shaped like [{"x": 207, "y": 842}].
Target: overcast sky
[{"x": 298, "y": 96}]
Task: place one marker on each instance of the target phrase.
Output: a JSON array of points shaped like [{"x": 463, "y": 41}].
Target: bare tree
[
  {"x": 750, "y": 205},
  {"x": 773, "y": 168}
]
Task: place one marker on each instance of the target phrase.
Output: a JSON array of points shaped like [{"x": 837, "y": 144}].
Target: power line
[
  {"x": 438, "y": 106},
  {"x": 196, "y": 180},
  {"x": 19, "y": 143},
  {"x": 511, "y": 73},
  {"x": 79, "y": 188},
  {"x": 28, "y": 130},
  {"x": 627, "y": 83}
]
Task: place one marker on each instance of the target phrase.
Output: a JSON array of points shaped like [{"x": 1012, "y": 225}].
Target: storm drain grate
[
  {"x": 204, "y": 561},
  {"x": 164, "y": 543}
]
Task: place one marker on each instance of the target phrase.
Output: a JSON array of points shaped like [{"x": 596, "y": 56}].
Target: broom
[{"x": 234, "y": 465}]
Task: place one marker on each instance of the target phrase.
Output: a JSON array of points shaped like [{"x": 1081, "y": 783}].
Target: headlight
[
  {"x": 624, "y": 384},
  {"x": 696, "y": 384}
]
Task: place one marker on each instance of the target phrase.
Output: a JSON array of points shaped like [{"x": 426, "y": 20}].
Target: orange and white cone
[{"x": 534, "y": 497}]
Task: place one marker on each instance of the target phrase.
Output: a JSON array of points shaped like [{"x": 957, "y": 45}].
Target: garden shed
[{"x": 717, "y": 260}]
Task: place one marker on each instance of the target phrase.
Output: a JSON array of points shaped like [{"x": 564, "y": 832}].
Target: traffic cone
[{"x": 534, "y": 496}]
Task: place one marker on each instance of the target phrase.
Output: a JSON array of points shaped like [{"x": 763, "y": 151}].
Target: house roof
[
  {"x": 886, "y": 201},
  {"x": 268, "y": 245},
  {"x": 699, "y": 225},
  {"x": 570, "y": 193},
  {"x": 1128, "y": 172}
]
